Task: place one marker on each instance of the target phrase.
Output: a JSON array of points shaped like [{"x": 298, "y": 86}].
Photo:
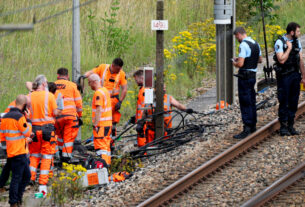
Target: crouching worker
[
  {"x": 15, "y": 132},
  {"x": 43, "y": 109},
  {"x": 101, "y": 118},
  {"x": 146, "y": 129}
]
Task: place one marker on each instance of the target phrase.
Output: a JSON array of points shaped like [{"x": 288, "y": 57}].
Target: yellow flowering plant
[
  {"x": 193, "y": 49},
  {"x": 67, "y": 184}
]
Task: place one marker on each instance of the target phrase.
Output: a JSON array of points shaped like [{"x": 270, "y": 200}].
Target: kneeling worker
[
  {"x": 101, "y": 118},
  {"x": 14, "y": 132},
  {"x": 148, "y": 128}
]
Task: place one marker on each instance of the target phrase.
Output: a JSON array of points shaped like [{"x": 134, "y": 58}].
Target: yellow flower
[
  {"x": 167, "y": 54},
  {"x": 172, "y": 76}
]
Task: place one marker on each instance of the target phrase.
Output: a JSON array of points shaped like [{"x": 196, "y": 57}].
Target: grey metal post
[
  {"x": 233, "y": 48},
  {"x": 159, "y": 123},
  {"x": 224, "y": 51},
  {"x": 76, "y": 48}
]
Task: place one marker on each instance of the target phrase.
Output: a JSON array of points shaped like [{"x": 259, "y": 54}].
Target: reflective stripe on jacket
[
  {"x": 101, "y": 98},
  {"x": 42, "y": 105},
  {"x": 110, "y": 81},
  {"x": 71, "y": 96}
]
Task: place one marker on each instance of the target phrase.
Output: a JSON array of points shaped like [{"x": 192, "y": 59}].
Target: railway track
[
  {"x": 210, "y": 184},
  {"x": 286, "y": 191}
]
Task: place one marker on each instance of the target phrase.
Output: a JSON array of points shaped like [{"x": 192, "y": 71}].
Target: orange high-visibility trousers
[
  {"x": 66, "y": 130},
  {"x": 141, "y": 141},
  {"x": 41, "y": 151},
  {"x": 149, "y": 129},
  {"x": 102, "y": 142},
  {"x": 116, "y": 115}
]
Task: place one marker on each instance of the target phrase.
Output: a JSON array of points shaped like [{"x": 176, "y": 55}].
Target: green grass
[{"x": 292, "y": 11}]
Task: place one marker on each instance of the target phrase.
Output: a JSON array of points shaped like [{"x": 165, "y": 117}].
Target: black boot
[
  {"x": 244, "y": 133},
  {"x": 284, "y": 129},
  {"x": 291, "y": 129}
]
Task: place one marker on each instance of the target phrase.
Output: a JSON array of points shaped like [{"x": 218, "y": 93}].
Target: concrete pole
[
  {"x": 76, "y": 49},
  {"x": 75, "y": 42},
  {"x": 159, "y": 122}
]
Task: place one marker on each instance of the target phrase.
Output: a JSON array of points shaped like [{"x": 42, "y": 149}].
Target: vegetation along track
[{"x": 240, "y": 172}]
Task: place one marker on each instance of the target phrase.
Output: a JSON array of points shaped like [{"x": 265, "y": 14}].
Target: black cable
[{"x": 30, "y": 8}]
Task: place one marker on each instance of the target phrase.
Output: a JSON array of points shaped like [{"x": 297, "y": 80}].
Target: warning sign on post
[{"x": 159, "y": 25}]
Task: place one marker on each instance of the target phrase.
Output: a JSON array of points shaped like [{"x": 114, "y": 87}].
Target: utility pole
[
  {"x": 75, "y": 42},
  {"x": 224, "y": 20},
  {"x": 159, "y": 122},
  {"x": 76, "y": 49}
]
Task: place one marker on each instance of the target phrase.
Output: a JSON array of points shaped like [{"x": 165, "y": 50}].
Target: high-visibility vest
[
  {"x": 167, "y": 107},
  {"x": 140, "y": 104},
  {"x": 13, "y": 132},
  {"x": 101, "y": 98},
  {"x": 167, "y": 110},
  {"x": 42, "y": 106},
  {"x": 110, "y": 81},
  {"x": 72, "y": 98}
]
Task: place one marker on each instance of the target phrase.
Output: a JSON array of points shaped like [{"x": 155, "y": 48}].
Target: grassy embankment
[{"x": 23, "y": 55}]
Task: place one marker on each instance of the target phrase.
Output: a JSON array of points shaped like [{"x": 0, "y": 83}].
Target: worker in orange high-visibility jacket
[
  {"x": 144, "y": 110},
  {"x": 5, "y": 173},
  {"x": 113, "y": 78},
  {"x": 67, "y": 124},
  {"x": 43, "y": 110},
  {"x": 101, "y": 118},
  {"x": 14, "y": 133},
  {"x": 141, "y": 139},
  {"x": 59, "y": 101}
]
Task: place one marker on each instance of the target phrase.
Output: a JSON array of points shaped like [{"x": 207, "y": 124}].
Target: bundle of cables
[{"x": 188, "y": 128}]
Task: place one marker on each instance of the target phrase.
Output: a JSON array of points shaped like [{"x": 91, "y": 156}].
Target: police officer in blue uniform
[
  {"x": 289, "y": 64},
  {"x": 248, "y": 58}
]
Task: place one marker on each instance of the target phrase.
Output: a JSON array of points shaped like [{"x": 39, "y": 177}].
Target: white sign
[
  {"x": 159, "y": 24},
  {"x": 149, "y": 96}
]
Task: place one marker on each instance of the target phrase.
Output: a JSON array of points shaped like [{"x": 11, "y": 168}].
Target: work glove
[
  {"x": 132, "y": 119},
  {"x": 80, "y": 121},
  {"x": 189, "y": 111},
  {"x": 118, "y": 105}
]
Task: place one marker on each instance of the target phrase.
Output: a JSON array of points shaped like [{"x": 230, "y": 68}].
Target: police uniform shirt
[
  {"x": 279, "y": 46},
  {"x": 245, "y": 51}
]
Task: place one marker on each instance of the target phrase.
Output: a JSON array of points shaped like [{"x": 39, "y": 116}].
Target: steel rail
[
  {"x": 212, "y": 165},
  {"x": 277, "y": 187}
]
